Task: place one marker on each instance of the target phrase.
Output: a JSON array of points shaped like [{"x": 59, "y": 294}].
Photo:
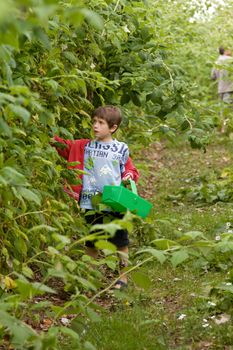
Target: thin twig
[
  {"x": 113, "y": 283},
  {"x": 169, "y": 72},
  {"x": 30, "y": 212},
  {"x": 103, "y": 290},
  {"x": 118, "y": 1},
  {"x": 189, "y": 122}
]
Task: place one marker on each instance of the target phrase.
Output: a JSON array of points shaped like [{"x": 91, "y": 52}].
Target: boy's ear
[{"x": 113, "y": 128}]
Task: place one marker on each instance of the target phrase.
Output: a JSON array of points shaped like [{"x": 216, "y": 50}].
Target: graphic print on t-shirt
[{"x": 104, "y": 162}]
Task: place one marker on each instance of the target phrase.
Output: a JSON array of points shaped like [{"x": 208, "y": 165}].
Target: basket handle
[{"x": 132, "y": 185}]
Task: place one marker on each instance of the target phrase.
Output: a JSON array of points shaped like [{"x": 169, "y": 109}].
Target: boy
[{"x": 105, "y": 161}]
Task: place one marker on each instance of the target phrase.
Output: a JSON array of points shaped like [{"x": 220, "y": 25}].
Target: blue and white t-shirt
[{"x": 104, "y": 162}]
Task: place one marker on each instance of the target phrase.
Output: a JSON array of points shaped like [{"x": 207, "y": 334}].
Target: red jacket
[{"x": 74, "y": 152}]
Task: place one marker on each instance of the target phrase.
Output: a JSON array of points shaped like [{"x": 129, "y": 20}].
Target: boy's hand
[{"x": 126, "y": 178}]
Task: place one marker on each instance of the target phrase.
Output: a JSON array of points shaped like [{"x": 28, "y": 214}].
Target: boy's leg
[
  {"x": 89, "y": 245},
  {"x": 91, "y": 251},
  {"x": 121, "y": 241},
  {"x": 123, "y": 253}
]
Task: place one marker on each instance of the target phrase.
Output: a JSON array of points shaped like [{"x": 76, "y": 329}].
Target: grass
[
  {"x": 152, "y": 319},
  {"x": 176, "y": 311}
]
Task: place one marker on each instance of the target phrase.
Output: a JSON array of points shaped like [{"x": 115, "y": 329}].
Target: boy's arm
[
  {"x": 214, "y": 74},
  {"x": 64, "y": 148},
  {"x": 130, "y": 171}
]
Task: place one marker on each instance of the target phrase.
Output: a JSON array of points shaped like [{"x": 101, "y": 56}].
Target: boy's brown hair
[{"x": 111, "y": 114}]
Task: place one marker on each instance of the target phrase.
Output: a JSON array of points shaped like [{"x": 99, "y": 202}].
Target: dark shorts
[{"x": 120, "y": 238}]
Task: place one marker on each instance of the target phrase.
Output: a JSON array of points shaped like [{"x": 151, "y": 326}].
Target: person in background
[
  {"x": 221, "y": 50},
  {"x": 105, "y": 161},
  {"x": 221, "y": 74}
]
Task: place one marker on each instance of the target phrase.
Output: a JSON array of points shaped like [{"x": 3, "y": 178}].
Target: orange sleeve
[{"x": 62, "y": 146}]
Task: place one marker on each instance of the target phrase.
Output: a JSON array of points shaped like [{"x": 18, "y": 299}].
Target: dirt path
[{"x": 170, "y": 168}]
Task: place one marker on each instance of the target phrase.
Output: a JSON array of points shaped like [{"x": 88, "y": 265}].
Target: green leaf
[
  {"x": 72, "y": 334},
  {"x": 6, "y": 10},
  {"x": 164, "y": 243},
  {"x": 42, "y": 36},
  {"x": 57, "y": 273},
  {"x": 82, "y": 88},
  {"x": 110, "y": 228},
  {"x": 21, "y": 112},
  {"x": 101, "y": 244},
  {"x": 53, "y": 84},
  {"x": 73, "y": 164},
  {"x": 1, "y": 159},
  {"x": 30, "y": 289},
  {"x": 42, "y": 227},
  {"x": 93, "y": 18},
  {"x": 94, "y": 317},
  {"x": 88, "y": 346},
  {"x": 19, "y": 89},
  {"x": 53, "y": 251},
  {"x": 208, "y": 244},
  {"x": 29, "y": 195},
  {"x": 60, "y": 238},
  {"x": 43, "y": 160},
  {"x": 141, "y": 280},
  {"x": 160, "y": 256},
  {"x": 125, "y": 98},
  {"x": 40, "y": 287},
  {"x": 224, "y": 246},
  {"x": 179, "y": 257},
  {"x": 19, "y": 330},
  {"x": 135, "y": 98},
  {"x": 3, "y": 182},
  {"x": 6, "y": 98},
  {"x": 13, "y": 177},
  {"x": 96, "y": 199},
  {"x": 70, "y": 56},
  {"x": 27, "y": 271},
  {"x": 191, "y": 235},
  {"x": 4, "y": 128},
  {"x": 89, "y": 163},
  {"x": 111, "y": 264},
  {"x": 21, "y": 246},
  {"x": 86, "y": 284},
  {"x": 225, "y": 287}
]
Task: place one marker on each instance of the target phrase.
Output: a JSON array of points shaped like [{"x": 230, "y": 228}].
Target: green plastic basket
[{"x": 121, "y": 199}]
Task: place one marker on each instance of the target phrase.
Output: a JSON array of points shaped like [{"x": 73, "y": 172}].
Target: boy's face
[{"x": 101, "y": 129}]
